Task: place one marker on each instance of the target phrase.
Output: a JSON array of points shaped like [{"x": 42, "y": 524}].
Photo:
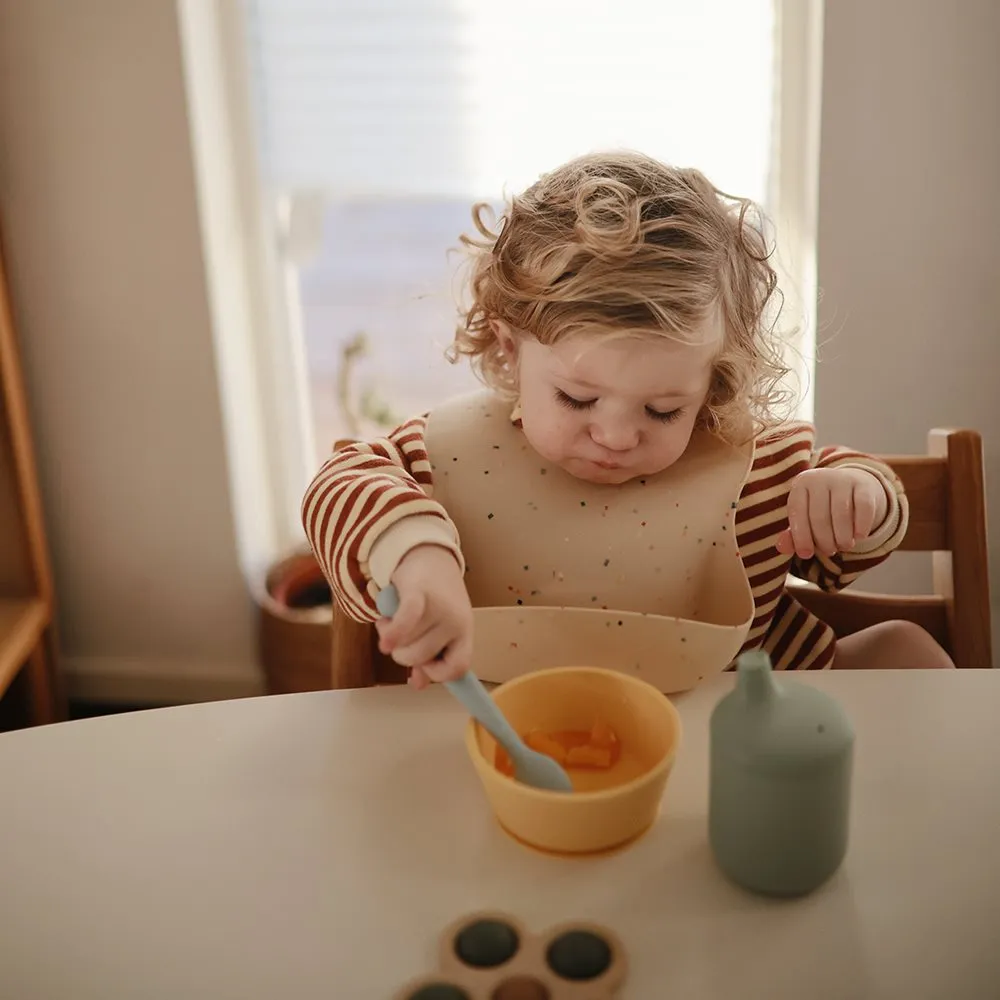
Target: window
[
  {"x": 381, "y": 122},
  {"x": 356, "y": 134}
]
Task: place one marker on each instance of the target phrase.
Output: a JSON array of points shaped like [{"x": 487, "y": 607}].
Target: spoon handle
[
  {"x": 387, "y": 601},
  {"x": 468, "y": 689}
]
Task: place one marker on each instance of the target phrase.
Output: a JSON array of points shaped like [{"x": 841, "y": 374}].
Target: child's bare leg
[{"x": 889, "y": 646}]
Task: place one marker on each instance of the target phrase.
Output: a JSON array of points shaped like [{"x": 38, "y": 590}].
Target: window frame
[{"x": 260, "y": 353}]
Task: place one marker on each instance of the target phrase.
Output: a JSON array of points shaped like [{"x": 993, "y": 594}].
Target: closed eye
[
  {"x": 572, "y": 403},
  {"x": 664, "y": 418}
]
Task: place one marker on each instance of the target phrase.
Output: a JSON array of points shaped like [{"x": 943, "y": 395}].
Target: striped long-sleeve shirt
[{"x": 372, "y": 502}]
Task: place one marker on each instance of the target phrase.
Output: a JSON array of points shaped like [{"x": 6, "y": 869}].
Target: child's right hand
[{"x": 431, "y": 633}]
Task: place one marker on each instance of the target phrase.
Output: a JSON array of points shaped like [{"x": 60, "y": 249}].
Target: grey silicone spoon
[{"x": 530, "y": 767}]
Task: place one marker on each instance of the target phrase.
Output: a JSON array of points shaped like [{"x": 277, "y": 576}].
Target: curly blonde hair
[{"x": 621, "y": 243}]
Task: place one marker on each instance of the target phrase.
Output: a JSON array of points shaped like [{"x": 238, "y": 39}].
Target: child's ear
[{"x": 506, "y": 340}]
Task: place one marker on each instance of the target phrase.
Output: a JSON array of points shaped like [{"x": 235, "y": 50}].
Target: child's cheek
[
  {"x": 548, "y": 439},
  {"x": 676, "y": 444},
  {"x": 562, "y": 438},
  {"x": 560, "y": 430}
]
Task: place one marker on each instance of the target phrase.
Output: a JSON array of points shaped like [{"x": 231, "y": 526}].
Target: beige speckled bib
[{"x": 644, "y": 577}]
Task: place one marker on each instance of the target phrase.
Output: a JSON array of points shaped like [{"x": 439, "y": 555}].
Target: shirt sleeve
[
  {"x": 839, "y": 571},
  {"x": 368, "y": 506}
]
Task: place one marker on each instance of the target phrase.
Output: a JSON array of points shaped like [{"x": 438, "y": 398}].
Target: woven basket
[{"x": 295, "y": 619}]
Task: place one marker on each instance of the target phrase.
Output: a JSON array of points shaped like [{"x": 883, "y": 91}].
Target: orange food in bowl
[{"x": 597, "y": 748}]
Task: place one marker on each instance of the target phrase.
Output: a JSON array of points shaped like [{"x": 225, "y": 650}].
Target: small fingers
[
  {"x": 821, "y": 521},
  {"x": 424, "y": 650},
  {"x": 844, "y": 514},
  {"x": 827, "y": 513},
  {"x": 418, "y": 679},
  {"x": 865, "y": 508},
  {"x": 404, "y": 626},
  {"x": 455, "y": 663},
  {"x": 784, "y": 543},
  {"x": 799, "y": 522}
]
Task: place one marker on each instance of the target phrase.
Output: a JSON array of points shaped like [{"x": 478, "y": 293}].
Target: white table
[{"x": 312, "y": 846}]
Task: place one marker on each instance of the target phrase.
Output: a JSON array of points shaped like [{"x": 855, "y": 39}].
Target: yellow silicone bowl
[{"x": 607, "y": 808}]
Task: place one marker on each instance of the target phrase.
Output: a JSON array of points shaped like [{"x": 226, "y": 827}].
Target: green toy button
[
  {"x": 579, "y": 955},
  {"x": 487, "y": 944}
]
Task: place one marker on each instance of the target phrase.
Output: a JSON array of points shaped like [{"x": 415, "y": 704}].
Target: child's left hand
[{"x": 831, "y": 510}]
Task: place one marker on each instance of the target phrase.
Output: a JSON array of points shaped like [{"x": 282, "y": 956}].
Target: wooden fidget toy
[{"x": 492, "y": 956}]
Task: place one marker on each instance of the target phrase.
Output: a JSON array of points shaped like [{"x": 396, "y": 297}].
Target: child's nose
[{"x": 615, "y": 435}]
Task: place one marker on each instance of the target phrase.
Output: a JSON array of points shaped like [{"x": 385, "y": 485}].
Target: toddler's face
[{"x": 610, "y": 411}]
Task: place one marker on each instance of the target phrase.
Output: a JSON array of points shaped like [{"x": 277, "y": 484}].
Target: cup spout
[{"x": 755, "y": 678}]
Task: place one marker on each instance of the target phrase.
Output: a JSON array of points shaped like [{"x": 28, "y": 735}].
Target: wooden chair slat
[{"x": 851, "y": 611}]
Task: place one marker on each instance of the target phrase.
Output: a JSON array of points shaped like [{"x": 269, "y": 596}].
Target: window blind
[{"x": 413, "y": 98}]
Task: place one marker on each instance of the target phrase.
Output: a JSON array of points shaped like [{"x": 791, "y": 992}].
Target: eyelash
[{"x": 572, "y": 403}]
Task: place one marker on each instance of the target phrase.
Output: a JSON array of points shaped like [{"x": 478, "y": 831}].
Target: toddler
[{"x": 623, "y": 491}]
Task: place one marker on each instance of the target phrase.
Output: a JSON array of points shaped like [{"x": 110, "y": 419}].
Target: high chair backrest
[{"x": 947, "y": 497}]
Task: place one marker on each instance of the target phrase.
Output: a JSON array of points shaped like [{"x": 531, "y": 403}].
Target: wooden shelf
[
  {"x": 21, "y": 626},
  {"x": 27, "y": 637}
]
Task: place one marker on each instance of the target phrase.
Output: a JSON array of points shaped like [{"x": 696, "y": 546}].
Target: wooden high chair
[{"x": 947, "y": 496}]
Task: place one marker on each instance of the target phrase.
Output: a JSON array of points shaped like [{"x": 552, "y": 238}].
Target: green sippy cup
[{"x": 781, "y": 756}]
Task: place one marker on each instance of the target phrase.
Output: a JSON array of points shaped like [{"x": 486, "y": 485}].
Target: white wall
[
  {"x": 98, "y": 209},
  {"x": 909, "y": 235}
]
